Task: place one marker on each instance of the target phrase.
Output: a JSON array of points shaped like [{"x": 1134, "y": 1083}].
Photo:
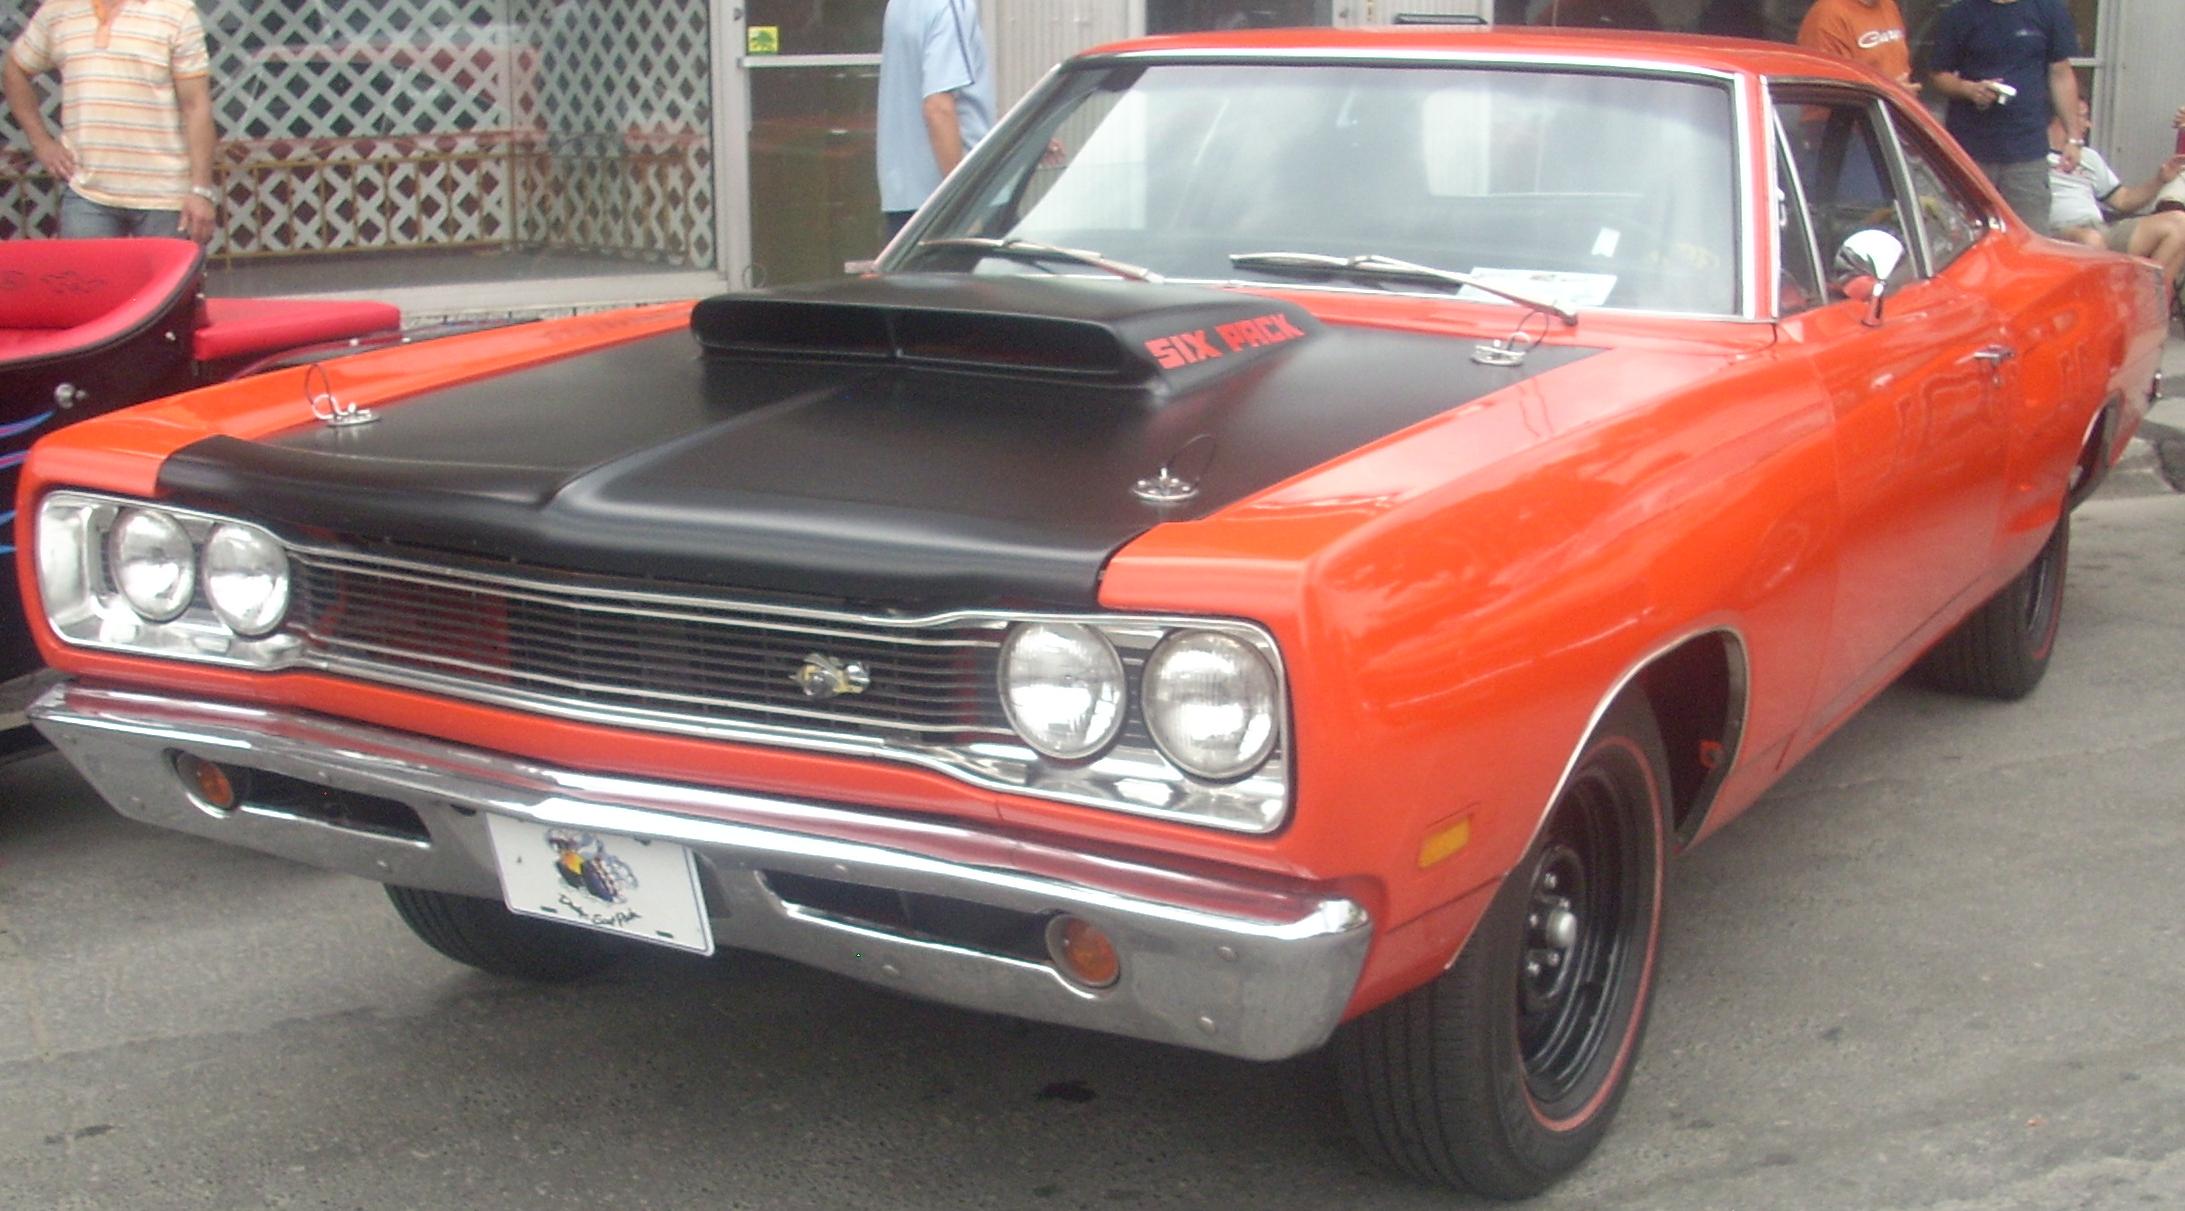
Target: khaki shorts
[{"x": 2116, "y": 237}]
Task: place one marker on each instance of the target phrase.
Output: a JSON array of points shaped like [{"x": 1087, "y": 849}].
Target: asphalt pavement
[{"x": 1941, "y": 967}]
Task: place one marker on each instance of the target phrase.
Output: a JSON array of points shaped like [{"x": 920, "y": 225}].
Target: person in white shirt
[{"x": 2082, "y": 199}]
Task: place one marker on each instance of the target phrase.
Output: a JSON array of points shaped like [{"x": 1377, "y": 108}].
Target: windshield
[{"x": 1586, "y": 189}]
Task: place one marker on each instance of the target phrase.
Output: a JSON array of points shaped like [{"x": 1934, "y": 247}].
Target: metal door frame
[{"x": 732, "y": 68}]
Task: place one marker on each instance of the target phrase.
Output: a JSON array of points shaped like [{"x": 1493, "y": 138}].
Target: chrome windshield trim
[{"x": 1393, "y": 57}]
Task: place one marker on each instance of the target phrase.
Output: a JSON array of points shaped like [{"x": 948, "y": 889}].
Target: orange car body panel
[{"x": 1456, "y": 602}]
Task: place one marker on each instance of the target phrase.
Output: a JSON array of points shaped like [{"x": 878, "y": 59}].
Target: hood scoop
[{"x": 1085, "y": 330}]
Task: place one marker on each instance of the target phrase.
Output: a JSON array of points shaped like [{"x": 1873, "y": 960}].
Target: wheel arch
[
  {"x": 1699, "y": 690},
  {"x": 1698, "y": 687},
  {"x": 2097, "y": 452}
]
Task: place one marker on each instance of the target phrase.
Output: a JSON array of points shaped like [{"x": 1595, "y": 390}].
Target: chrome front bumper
[
  {"x": 1229, "y": 962},
  {"x": 16, "y": 695}
]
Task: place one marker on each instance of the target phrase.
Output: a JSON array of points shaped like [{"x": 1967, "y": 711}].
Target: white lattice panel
[
  {"x": 626, "y": 102},
  {"x": 351, "y": 125}
]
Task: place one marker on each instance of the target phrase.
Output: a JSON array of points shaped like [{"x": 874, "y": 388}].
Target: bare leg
[
  {"x": 2089, "y": 236},
  {"x": 2161, "y": 238}
]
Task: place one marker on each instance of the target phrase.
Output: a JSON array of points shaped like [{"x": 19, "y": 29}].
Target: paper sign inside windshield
[{"x": 1569, "y": 289}]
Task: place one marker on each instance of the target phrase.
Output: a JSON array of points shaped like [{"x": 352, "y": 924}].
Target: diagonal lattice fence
[{"x": 378, "y": 125}]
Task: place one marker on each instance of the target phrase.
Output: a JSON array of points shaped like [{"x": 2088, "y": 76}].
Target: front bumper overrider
[{"x": 1218, "y": 960}]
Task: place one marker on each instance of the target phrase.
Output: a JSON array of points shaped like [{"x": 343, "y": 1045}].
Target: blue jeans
[{"x": 84, "y": 219}]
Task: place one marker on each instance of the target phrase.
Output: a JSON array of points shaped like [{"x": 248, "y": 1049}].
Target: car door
[{"x": 1917, "y": 388}]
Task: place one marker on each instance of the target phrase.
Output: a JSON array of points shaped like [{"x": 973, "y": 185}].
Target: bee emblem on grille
[{"x": 827, "y": 677}]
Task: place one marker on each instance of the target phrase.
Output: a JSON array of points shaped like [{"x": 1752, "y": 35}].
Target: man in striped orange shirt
[{"x": 136, "y": 142}]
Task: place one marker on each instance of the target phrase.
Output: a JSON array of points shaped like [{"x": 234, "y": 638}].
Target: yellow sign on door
[{"x": 763, "y": 40}]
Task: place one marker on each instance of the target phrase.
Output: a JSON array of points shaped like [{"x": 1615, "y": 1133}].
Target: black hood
[{"x": 917, "y": 440}]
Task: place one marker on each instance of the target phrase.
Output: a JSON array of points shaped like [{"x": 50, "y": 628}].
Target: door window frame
[
  {"x": 1788, "y": 191},
  {"x": 1905, "y": 138},
  {"x": 733, "y": 76},
  {"x": 1835, "y": 94}
]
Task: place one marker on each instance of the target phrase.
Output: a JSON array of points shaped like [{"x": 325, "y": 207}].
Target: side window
[
  {"x": 1797, "y": 278},
  {"x": 1842, "y": 171},
  {"x": 1947, "y": 214}
]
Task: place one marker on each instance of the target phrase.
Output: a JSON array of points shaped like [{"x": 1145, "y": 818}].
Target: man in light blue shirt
[{"x": 936, "y": 100}]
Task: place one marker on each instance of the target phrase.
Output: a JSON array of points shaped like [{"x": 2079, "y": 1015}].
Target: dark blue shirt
[{"x": 2014, "y": 43}]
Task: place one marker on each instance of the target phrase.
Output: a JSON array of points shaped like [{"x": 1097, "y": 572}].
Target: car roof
[{"x": 1734, "y": 56}]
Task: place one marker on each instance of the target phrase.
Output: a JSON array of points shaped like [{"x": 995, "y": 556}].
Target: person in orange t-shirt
[{"x": 1864, "y": 31}]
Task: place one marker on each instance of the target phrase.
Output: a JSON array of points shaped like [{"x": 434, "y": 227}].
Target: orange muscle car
[{"x": 1286, "y": 547}]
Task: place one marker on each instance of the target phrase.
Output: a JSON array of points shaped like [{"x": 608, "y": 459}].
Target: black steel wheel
[
  {"x": 484, "y": 934},
  {"x": 2001, "y": 650},
  {"x": 1503, "y": 1074}
]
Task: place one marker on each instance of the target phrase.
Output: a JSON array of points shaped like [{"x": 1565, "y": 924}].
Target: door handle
[{"x": 1995, "y": 355}]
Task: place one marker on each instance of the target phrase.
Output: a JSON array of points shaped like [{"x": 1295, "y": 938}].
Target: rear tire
[
  {"x": 1502, "y": 1075},
  {"x": 484, "y": 934},
  {"x": 2002, "y": 649}
]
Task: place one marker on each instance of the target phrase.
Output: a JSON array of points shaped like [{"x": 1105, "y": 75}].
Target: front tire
[
  {"x": 2001, "y": 650},
  {"x": 484, "y": 934},
  {"x": 1502, "y": 1075}
]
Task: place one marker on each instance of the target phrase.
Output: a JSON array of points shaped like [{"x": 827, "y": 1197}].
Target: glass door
[{"x": 811, "y": 72}]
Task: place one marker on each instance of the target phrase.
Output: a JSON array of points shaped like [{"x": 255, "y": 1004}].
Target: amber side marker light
[
  {"x": 207, "y": 781},
  {"x": 1082, "y": 953},
  {"x": 1445, "y": 841}
]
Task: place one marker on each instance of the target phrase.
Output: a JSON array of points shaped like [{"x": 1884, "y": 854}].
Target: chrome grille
[
  {"x": 636, "y": 647},
  {"x": 682, "y": 660}
]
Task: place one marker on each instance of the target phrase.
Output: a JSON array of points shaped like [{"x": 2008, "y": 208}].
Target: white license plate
[{"x": 639, "y": 889}]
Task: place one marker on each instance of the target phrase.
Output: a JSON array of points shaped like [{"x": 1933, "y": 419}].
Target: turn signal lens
[
  {"x": 207, "y": 781},
  {"x": 1083, "y": 953}
]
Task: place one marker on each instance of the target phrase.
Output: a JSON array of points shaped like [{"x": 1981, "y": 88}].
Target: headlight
[
  {"x": 246, "y": 579},
  {"x": 156, "y": 580},
  {"x": 1211, "y": 702},
  {"x": 1062, "y": 686},
  {"x": 153, "y": 563}
]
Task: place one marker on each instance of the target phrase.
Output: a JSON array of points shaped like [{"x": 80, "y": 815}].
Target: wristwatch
[{"x": 206, "y": 192}]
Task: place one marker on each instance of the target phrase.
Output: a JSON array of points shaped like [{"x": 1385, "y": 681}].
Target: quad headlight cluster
[
  {"x": 1211, "y": 701},
  {"x": 1180, "y": 718},
  {"x": 143, "y": 577},
  {"x": 1175, "y": 717}
]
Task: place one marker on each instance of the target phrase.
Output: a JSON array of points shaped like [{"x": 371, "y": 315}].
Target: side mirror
[{"x": 1864, "y": 264}]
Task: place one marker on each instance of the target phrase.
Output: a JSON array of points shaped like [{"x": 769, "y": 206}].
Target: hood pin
[
  {"x": 1170, "y": 485},
  {"x": 328, "y": 407}
]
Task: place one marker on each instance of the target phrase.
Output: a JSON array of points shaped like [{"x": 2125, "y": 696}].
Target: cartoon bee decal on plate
[{"x": 584, "y": 865}]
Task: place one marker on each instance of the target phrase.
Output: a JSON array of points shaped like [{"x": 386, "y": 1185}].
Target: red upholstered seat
[
  {"x": 236, "y": 328},
  {"x": 60, "y": 296}
]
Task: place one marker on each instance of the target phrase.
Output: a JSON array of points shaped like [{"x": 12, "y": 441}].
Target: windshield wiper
[
  {"x": 1374, "y": 265},
  {"x": 1033, "y": 250}
]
